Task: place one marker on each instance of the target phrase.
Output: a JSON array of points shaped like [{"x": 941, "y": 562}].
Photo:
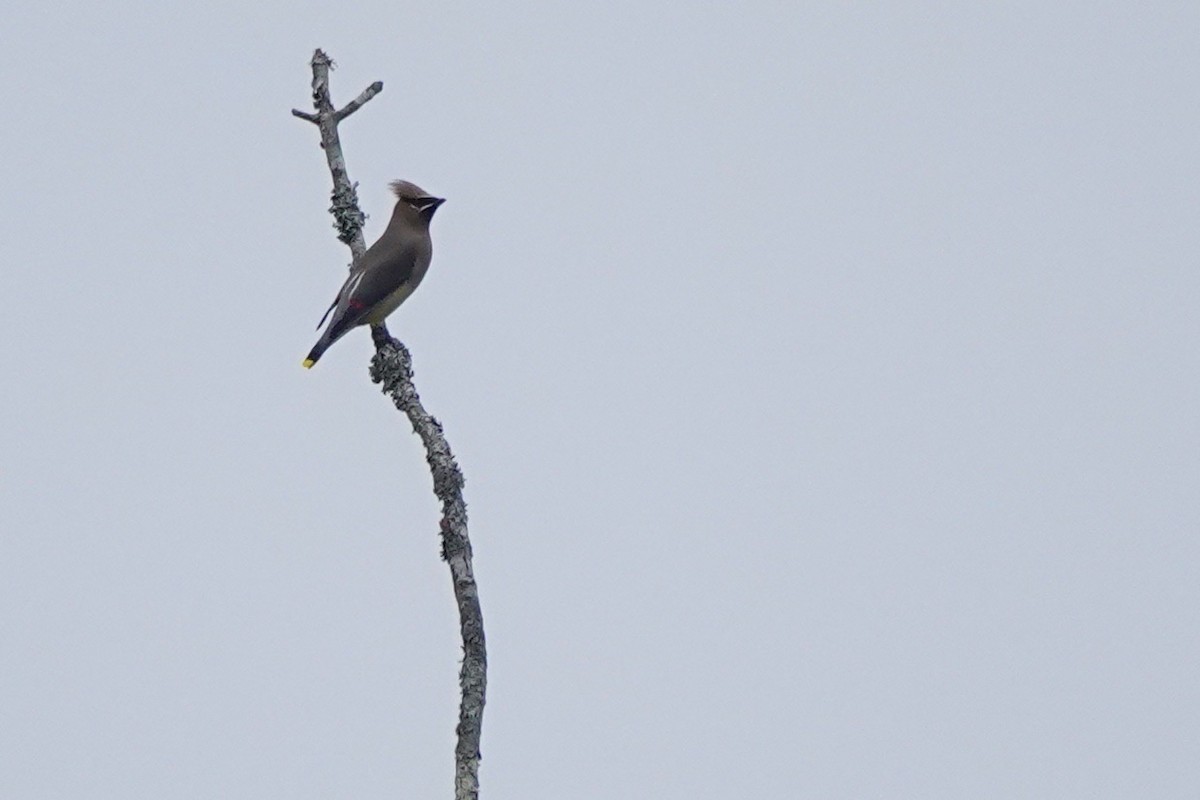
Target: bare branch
[
  {"x": 391, "y": 367},
  {"x": 358, "y": 102}
]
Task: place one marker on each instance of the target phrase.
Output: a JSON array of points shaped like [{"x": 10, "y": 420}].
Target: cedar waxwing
[{"x": 388, "y": 272}]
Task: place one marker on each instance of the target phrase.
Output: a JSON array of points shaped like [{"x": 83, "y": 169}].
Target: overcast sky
[{"x": 825, "y": 377}]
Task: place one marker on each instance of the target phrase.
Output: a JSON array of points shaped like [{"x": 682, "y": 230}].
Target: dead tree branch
[{"x": 391, "y": 367}]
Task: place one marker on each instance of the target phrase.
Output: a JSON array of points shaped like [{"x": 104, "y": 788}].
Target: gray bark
[{"x": 391, "y": 367}]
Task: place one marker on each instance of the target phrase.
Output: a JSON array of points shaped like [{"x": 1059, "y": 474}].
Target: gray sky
[{"x": 825, "y": 380}]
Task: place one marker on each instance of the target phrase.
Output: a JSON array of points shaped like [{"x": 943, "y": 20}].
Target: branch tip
[{"x": 358, "y": 102}]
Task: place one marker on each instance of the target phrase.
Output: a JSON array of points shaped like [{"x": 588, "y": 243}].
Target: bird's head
[{"x": 421, "y": 201}]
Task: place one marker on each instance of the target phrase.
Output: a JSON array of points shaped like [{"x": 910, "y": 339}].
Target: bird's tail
[
  {"x": 339, "y": 326},
  {"x": 318, "y": 350}
]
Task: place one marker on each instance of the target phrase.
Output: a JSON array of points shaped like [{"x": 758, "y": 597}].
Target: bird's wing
[
  {"x": 380, "y": 278},
  {"x": 371, "y": 283},
  {"x": 354, "y": 273},
  {"x": 332, "y": 306}
]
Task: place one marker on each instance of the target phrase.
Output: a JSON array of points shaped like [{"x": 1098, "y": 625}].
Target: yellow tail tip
[{"x": 308, "y": 362}]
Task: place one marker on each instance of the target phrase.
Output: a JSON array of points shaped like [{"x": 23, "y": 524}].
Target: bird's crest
[{"x": 407, "y": 191}]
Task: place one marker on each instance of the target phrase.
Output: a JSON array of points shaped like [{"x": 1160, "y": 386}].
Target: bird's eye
[{"x": 424, "y": 204}]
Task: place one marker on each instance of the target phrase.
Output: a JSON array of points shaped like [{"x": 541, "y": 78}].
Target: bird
[{"x": 388, "y": 271}]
